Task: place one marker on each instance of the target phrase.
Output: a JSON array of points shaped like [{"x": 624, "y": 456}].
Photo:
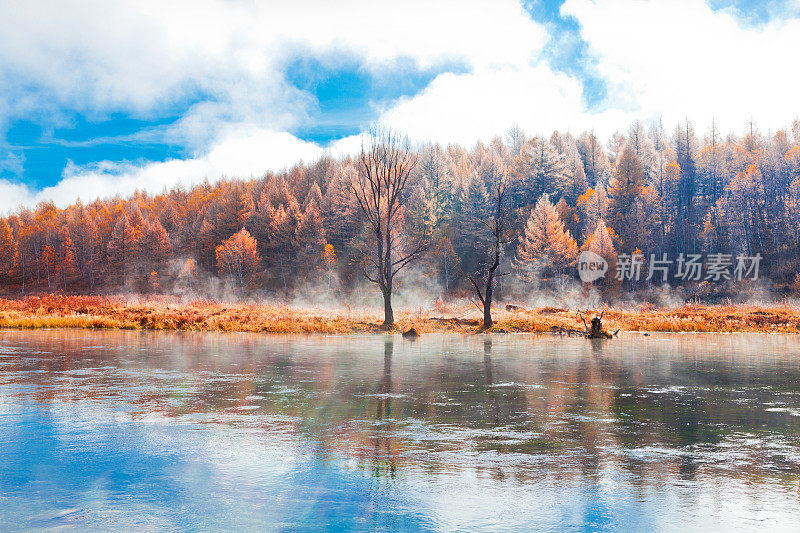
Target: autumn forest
[{"x": 509, "y": 216}]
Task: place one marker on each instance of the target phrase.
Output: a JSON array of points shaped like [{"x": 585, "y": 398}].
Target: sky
[{"x": 101, "y": 98}]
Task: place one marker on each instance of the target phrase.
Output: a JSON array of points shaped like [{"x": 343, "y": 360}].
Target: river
[{"x": 198, "y": 431}]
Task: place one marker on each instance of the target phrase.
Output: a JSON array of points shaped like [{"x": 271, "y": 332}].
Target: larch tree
[
  {"x": 642, "y": 145},
  {"x": 625, "y": 188},
  {"x": 238, "y": 257},
  {"x": 49, "y": 261},
  {"x": 156, "y": 244},
  {"x": 576, "y": 183},
  {"x": 86, "y": 239},
  {"x": 515, "y": 139},
  {"x": 616, "y": 143},
  {"x": 8, "y": 249},
  {"x": 65, "y": 260},
  {"x": 601, "y": 242},
  {"x": 282, "y": 242},
  {"x": 539, "y": 168},
  {"x": 309, "y": 239},
  {"x": 123, "y": 247},
  {"x": 545, "y": 241},
  {"x": 204, "y": 241},
  {"x": 385, "y": 165},
  {"x": 314, "y": 195},
  {"x": 595, "y": 161},
  {"x": 434, "y": 169},
  {"x": 329, "y": 260}
]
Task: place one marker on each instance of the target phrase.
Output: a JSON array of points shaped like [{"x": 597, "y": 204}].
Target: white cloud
[
  {"x": 466, "y": 107},
  {"x": 244, "y": 154},
  {"x": 682, "y": 59},
  {"x": 659, "y": 59},
  {"x": 143, "y": 56},
  {"x": 12, "y": 195}
]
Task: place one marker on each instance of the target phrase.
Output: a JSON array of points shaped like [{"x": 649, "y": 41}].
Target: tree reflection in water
[{"x": 527, "y": 409}]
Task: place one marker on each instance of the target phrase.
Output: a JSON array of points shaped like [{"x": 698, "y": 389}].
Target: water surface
[{"x": 130, "y": 430}]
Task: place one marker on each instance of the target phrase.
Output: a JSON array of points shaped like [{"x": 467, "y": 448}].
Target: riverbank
[{"x": 93, "y": 312}]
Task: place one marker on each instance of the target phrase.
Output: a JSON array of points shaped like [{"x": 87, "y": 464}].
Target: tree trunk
[
  {"x": 446, "y": 275},
  {"x": 388, "y": 312},
  {"x": 487, "y": 302}
]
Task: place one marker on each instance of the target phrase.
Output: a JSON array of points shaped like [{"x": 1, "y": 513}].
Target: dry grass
[
  {"x": 688, "y": 318},
  {"x": 166, "y": 314}
]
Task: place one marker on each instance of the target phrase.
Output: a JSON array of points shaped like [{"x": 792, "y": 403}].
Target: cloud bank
[{"x": 221, "y": 66}]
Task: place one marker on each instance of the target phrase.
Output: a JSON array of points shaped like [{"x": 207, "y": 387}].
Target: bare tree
[
  {"x": 500, "y": 233},
  {"x": 384, "y": 168}
]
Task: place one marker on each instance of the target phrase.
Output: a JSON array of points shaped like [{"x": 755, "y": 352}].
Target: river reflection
[{"x": 226, "y": 431}]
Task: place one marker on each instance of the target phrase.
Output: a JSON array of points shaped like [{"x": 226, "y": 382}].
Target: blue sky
[{"x": 87, "y": 105}]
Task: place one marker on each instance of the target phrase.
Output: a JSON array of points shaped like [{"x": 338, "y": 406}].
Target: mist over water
[{"x": 133, "y": 430}]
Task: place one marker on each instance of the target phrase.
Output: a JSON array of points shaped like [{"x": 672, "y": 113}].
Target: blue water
[{"x": 171, "y": 431}]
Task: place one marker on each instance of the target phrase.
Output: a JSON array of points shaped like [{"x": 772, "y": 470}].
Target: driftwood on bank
[{"x": 569, "y": 332}]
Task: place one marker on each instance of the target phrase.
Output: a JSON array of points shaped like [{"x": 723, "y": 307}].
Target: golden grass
[{"x": 165, "y": 314}]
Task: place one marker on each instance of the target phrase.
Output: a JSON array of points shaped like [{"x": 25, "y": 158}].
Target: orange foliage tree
[
  {"x": 238, "y": 257},
  {"x": 8, "y": 250},
  {"x": 329, "y": 260},
  {"x": 545, "y": 241}
]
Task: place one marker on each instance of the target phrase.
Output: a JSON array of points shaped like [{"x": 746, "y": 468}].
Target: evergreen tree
[
  {"x": 687, "y": 224},
  {"x": 471, "y": 224}
]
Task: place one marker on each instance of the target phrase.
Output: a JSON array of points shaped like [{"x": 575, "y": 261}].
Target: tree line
[{"x": 517, "y": 206}]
